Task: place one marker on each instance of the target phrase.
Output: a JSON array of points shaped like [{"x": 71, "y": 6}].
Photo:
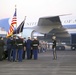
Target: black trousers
[
  {"x": 1, "y": 53},
  {"x": 24, "y": 54},
  {"x": 31, "y": 53}
]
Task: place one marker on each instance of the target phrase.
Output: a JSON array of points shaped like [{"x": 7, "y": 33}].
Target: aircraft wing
[
  {"x": 46, "y": 24},
  {"x": 60, "y": 33}
]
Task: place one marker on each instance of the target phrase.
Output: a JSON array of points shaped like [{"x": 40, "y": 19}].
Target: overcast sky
[{"x": 36, "y": 8}]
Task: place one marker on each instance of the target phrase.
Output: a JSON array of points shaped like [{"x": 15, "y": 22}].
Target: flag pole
[{"x": 16, "y": 16}]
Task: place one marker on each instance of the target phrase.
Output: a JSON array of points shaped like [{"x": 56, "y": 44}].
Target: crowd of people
[{"x": 17, "y": 48}]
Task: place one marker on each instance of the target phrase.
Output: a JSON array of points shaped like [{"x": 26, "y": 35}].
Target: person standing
[
  {"x": 35, "y": 45},
  {"x": 2, "y": 43},
  {"x": 20, "y": 45},
  {"x": 24, "y": 48},
  {"x": 54, "y": 47},
  {"x": 14, "y": 48},
  {"x": 28, "y": 48},
  {"x": 9, "y": 48}
]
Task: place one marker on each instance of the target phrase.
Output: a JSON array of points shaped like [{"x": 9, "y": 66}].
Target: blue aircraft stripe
[
  {"x": 70, "y": 26},
  {"x": 5, "y": 24}
]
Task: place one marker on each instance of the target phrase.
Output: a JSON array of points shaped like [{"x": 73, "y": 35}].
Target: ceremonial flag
[
  {"x": 13, "y": 23},
  {"x": 20, "y": 28}
]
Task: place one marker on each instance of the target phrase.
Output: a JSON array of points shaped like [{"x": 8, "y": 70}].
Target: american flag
[{"x": 13, "y": 23}]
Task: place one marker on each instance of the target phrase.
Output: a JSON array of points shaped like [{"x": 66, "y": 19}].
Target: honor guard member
[
  {"x": 9, "y": 48},
  {"x": 14, "y": 48},
  {"x": 35, "y": 44},
  {"x": 2, "y": 43},
  {"x": 24, "y": 47},
  {"x": 54, "y": 47},
  {"x": 28, "y": 47},
  {"x": 20, "y": 45}
]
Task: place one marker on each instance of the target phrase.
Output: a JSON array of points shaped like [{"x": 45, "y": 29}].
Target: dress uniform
[
  {"x": 24, "y": 48},
  {"x": 35, "y": 44},
  {"x": 20, "y": 49},
  {"x": 1, "y": 47},
  {"x": 14, "y": 48},
  {"x": 28, "y": 47},
  {"x": 9, "y": 48},
  {"x": 54, "y": 47}
]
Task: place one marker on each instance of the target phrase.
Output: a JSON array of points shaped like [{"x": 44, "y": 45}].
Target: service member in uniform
[
  {"x": 24, "y": 48},
  {"x": 35, "y": 45},
  {"x": 54, "y": 47},
  {"x": 2, "y": 43},
  {"x": 9, "y": 48},
  {"x": 14, "y": 48},
  {"x": 20, "y": 45},
  {"x": 28, "y": 48}
]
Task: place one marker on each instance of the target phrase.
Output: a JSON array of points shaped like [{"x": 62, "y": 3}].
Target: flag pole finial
[{"x": 15, "y": 6}]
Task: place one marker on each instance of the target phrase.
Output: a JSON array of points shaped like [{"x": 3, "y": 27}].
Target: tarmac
[{"x": 45, "y": 65}]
